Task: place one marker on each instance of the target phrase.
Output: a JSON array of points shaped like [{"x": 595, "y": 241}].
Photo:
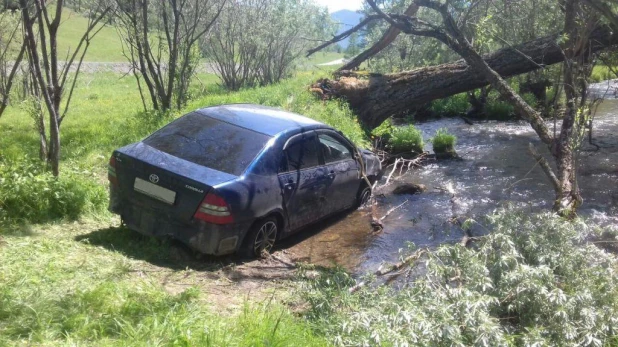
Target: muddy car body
[{"x": 237, "y": 177}]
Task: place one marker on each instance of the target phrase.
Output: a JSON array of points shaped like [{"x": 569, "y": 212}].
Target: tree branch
[
  {"x": 344, "y": 34},
  {"x": 545, "y": 166},
  {"x": 389, "y": 36}
]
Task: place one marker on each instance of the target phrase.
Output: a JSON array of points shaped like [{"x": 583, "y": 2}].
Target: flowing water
[{"x": 496, "y": 171}]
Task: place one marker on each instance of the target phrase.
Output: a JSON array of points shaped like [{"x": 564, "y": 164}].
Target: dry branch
[{"x": 393, "y": 267}]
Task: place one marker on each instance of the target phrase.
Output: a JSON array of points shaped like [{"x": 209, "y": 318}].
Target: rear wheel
[
  {"x": 260, "y": 238},
  {"x": 364, "y": 194}
]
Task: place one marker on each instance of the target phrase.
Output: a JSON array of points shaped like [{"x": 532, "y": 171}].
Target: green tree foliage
[
  {"x": 259, "y": 42},
  {"x": 533, "y": 281},
  {"x": 354, "y": 46},
  {"x": 160, "y": 40},
  {"x": 492, "y": 25}
]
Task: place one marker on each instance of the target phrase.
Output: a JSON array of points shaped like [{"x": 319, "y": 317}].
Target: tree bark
[{"x": 376, "y": 97}]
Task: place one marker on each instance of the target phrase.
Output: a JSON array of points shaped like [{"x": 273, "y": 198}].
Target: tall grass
[
  {"x": 443, "y": 142},
  {"x": 28, "y": 192},
  {"x": 405, "y": 140},
  {"x": 57, "y": 289},
  {"x": 107, "y": 113}
]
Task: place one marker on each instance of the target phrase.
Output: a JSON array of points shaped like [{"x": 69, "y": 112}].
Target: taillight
[
  {"x": 111, "y": 171},
  {"x": 214, "y": 209}
]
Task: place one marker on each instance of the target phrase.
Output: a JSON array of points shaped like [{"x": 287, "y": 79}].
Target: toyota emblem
[{"x": 154, "y": 178}]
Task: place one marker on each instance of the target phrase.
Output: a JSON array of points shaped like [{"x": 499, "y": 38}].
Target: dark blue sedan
[{"x": 237, "y": 178}]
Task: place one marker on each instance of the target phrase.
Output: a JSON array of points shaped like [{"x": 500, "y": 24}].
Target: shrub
[
  {"x": 450, "y": 106},
  {"x": 384, "y": 131},
  {"x": 500, "y": 110},
  {"x": 443, "y": 142},
  {"x": 406, "y": 139},
  {"x": 29, "y": 193},
  {"x": 533, "y": 281},
  {"x": 600, "y": 73}
]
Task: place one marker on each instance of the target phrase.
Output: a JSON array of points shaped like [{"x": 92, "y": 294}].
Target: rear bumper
[{"x": 204, "y": 237}]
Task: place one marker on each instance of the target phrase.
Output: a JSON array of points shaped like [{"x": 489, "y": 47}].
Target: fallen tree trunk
[{"x": 376, "y": 97}]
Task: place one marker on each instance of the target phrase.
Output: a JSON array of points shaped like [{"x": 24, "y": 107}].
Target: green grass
[
  {"x": 58, "y": 288},
  {"x": 601, "y": 73},
  {"x": 105, "y": 47},
  {"x": 405, "y": 140},
  {"x": 450, "y": 106},
  {"x": 29, "y": 192},
  {"x": 323, "y": 57},
  {"x": 443, "y": 142},
  {"x": 83, "y": 283},
  {"x": 107, "y": 114}
]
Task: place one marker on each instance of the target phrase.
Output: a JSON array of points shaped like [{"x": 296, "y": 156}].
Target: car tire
[
  {"x": 364, "y": 194},
  {"x": 260, "y": 238}
]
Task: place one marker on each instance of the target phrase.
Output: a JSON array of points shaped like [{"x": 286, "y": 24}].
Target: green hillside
[{"x": 105, "y": 47}]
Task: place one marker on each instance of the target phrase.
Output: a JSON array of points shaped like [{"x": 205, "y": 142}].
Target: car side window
[
  {"x": 300, "y": 154},
  {"x": 333, "y": 149}
]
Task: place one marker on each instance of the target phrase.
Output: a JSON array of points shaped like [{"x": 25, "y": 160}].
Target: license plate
[{"x": 154, "y": 191}]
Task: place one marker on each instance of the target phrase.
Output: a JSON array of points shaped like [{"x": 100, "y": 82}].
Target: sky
[{"x": 336, "y": 5}]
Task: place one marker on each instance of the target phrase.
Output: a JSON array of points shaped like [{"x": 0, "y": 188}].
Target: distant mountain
[{"x": 347, "y": 20}]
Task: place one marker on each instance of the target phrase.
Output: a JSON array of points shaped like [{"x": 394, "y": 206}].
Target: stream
[{"x": 496, "y": 171}]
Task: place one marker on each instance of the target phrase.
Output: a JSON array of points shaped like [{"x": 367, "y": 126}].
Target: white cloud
[{"x": 336, "y": 5}]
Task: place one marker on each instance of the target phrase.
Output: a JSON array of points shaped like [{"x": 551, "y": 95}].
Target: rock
[
  {"x": 409, "y": 188},
  {"x": 447, "y": 155}
]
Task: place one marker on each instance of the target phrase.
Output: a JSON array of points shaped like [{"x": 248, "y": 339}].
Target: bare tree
[
  {"x": 160, "y": 39},
  {"x": 12, "y": 50},
  {"x": 258, "y": 42},
  {"x": 41, "y": 21}
]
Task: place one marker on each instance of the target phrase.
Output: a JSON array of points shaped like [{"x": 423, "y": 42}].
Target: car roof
[{"x": 266, "y": 120}]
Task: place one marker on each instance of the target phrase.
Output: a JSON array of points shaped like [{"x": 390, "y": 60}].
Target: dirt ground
[{"x": 229, "y": 282}]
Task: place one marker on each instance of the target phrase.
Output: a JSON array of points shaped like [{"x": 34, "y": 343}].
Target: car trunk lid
[{"x": 154, "y": 181}]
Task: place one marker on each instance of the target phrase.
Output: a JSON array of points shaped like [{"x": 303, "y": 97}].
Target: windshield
[{"x": 209, "y": 142}]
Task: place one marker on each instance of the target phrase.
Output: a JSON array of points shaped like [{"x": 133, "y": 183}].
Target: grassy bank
[
  {"x": 69, "y": 275},
  {"x": 107, "y": 114},
  {"x": 57, "y": 287}
]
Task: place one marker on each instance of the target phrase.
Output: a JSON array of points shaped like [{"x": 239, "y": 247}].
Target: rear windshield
[{"x": 209, "y": 142}]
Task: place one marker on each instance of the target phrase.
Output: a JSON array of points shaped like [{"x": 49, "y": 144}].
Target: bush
[
  {"x": 499, "y": 110},
  {"x": 29, "y": 193},
  {"x": 406, "y": 139},
  {"x": 450, "y": 106},
  {"x": 533, "y": 281},
  {"x": 443, "y": 142},
  {"x": 502, "y": 110},
  {"x": 383, "y": 131},
  {"x": 600, "y": 73}
]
